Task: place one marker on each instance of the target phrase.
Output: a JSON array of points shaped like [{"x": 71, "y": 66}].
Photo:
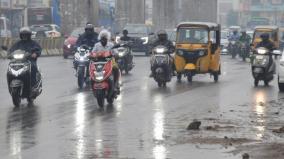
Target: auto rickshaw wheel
[
  {"x": 179, "y": 75},
  {"x": 189, "y": 78},
  {"x": 216, "y": 77}
]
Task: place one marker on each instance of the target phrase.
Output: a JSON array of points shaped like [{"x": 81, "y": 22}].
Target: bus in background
[{"x": 5, "y": 27}]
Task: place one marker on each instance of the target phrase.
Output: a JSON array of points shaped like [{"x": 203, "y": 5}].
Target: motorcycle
[
  {"x": 263, "y": 65},
  {"x": 161, "y": 66},
  {"x": 234, "y": 48},
  {"x": 81, "y": 62},
  {"x": 244, "y": 53},
  {"x": 102, "y": 78},
  {"x": 19, "y": 78},
  {"x": 124, "y": 58}
]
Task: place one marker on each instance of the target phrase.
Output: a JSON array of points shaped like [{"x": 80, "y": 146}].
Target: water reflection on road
[
  {"x": 260, "y": 111},
  {"x": 159, "y": 150}
]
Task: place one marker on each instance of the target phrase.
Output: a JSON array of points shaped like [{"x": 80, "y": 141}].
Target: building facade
[{"x": 270, "y": 9}]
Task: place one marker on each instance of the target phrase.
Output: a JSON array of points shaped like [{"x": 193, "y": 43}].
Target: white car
[
  {"x": 45, "y": 30},
  {"x": 281, "y": 73}
]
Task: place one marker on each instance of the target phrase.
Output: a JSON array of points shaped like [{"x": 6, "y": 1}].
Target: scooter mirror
[{"x": 277, "y": 52}]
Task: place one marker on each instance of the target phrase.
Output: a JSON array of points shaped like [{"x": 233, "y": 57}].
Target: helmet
[
  {"x": 264, "y": 36},
  {"x": 162, "y": 35},
  {"x": 125, "y": 32},
  {"x": 25, "y": 33},
  {"x": 89, "y": 28},
  {"x": 162, "y": 32},
  {"x": 104, "y": 34},
  {"x": 235, "y": 32}
]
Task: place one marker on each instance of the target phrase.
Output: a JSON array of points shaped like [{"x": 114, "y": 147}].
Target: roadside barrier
[{"x": 50, "y": 46}]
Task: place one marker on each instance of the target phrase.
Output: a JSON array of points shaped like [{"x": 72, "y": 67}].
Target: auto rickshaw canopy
[{"x": 208, "y": 25}]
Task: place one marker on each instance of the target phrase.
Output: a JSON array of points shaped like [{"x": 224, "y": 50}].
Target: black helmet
[
  {"x": 25, "y": 33},
  {"x": 162, "y": 35},
  {"x": 89, "y": 29},
  {"x": 125, "y": 32},
  {"x": 264, "y": 36}
]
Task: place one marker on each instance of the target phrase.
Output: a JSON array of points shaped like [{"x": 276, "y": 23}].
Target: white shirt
[{"x": 99, "y": 47}]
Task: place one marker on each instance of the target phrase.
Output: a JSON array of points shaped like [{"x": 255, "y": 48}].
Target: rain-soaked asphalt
[{"x": 145, "y": 121}]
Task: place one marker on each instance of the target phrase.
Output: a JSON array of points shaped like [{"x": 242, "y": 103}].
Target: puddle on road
[{"x": 245, "y": 128}]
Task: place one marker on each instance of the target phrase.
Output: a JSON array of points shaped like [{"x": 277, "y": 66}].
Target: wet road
[{"x": 145, "y": 121}]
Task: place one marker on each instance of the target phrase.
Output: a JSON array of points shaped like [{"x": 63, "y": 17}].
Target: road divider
[{"x": 50, "y": 46}]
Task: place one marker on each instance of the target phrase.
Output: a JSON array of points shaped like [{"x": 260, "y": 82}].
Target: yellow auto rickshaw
[
  {"x": 198, "y": 50},
  {"x": 272, "y": 31}
]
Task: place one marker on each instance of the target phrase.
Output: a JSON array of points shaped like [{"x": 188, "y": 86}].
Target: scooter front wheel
[
  {"x": 16, "y": 97},
  {"x": 81, "y": 78},
  {"x": 100, "y": 95}
]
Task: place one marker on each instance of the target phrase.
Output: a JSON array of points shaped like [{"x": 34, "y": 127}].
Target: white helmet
[{"x": 104, "y": 33}]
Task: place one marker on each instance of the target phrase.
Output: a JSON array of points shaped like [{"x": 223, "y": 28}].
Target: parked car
[
  {"x": 45, "y": 31},
  {"x": 70, "y": 42},
  {"x": 142, "y": 36}
]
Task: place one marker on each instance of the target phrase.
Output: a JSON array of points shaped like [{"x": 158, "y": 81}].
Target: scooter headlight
[
  {"x": 99, "y": 76},
  {"x": 262, "y": 51},
  {"x": 145, "y": 39},
  {"x": 82, "y": 59},
  {"x": 18, "y": 56},
  {"x": 121, "y": 54},
  {"x": 160, "y": 50}
]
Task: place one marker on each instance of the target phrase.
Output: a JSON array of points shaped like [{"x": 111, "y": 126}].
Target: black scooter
[
  {"x": 263, "y": 65},
  {"x": 19, "y": 78}
]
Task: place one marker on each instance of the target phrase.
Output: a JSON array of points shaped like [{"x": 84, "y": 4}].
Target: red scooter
[{"x": 102, "y": 78}]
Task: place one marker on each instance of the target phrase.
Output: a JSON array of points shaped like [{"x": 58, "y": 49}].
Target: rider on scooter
[
  {"x": 30, "y": 46},
  {"x": 163, "y": 40},
  {"x": 104, "y": 44},
  {"x": 266, "y": 43}
]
